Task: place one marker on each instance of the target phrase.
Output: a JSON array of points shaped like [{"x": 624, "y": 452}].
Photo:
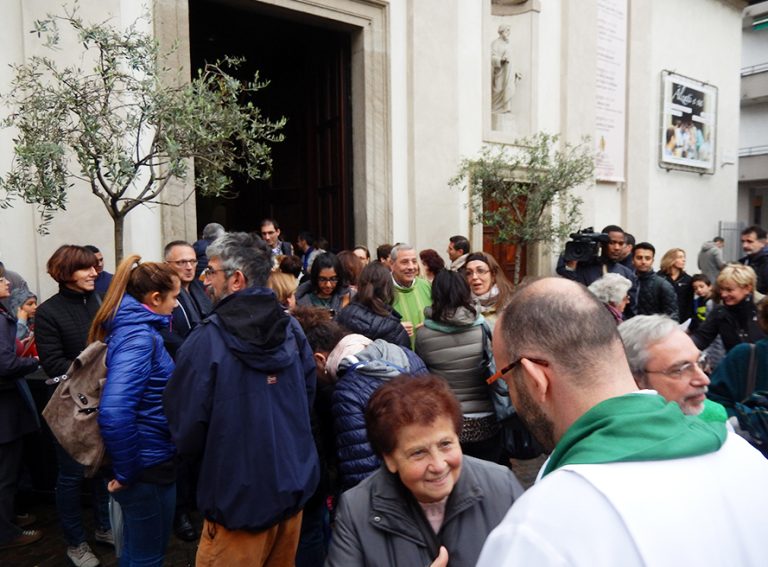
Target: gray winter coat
[
  {"x": 379, "y": 524},
  {"x": 710, "y": 260},
  {"x": 453, "y": 349}
]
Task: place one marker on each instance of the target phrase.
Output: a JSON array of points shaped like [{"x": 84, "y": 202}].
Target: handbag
[
  {"x": 73, "y": 410},
  {"x": 518, "y": 441}
]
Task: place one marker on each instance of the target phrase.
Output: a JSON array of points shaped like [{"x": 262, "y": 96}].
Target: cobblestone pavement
[{"x": 50, "y": 551}]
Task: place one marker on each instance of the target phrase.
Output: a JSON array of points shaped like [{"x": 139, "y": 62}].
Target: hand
[
  {"x": 21, "y": 315},
  {"x": 114, "y": 485},
  {"x": 442, "y": 558},
  {"x": 408, "y": 327}
]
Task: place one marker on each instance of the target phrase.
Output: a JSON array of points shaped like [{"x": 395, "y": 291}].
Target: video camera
[{"x": 584, "y": 245}]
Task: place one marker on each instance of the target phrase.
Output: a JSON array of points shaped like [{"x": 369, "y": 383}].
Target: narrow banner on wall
[
  {"x": 688, "y": 124},
  {"x": 611, "y": 90}
]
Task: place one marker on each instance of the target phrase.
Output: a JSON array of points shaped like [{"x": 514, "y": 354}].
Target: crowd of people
[{"x": 324, "y": 407}]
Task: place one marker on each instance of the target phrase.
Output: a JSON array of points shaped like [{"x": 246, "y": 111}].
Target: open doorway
[{"x": 308, "y": 67}]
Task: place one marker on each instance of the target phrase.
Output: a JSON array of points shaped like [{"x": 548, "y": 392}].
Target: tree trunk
[
  {"x": 118, "y": 220},
  {"x": 518, "y": 260}
]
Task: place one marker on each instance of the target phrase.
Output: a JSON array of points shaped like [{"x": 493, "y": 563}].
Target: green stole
[{"x": 638, "y": 427}]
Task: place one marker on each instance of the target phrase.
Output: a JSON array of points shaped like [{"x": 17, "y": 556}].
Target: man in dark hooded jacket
[{"x": 239, "y": 399}]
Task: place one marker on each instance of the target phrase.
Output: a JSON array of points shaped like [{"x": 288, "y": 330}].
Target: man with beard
[
  {"x": 753, "y": 242},
  {"x": 239, "y": 400},
  {"x": 631, "y": 480},
  {"x": 663, "y": 358}
]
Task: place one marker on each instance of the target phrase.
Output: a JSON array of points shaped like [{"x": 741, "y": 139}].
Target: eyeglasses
[
  {"x": 477, "y": 272},
  {"x": 679, "y": 371},
  {"x": 512, "y": 365},
  {"x": 328, "y": 280},
  {"x": 210, "y": 272},
  {"x": 182, "y": 263}
]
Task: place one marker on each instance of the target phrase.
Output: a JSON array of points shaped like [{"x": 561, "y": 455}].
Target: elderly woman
[
  {"x": 612, "y": 291},
  {"x": 427, "y": 495},
  {"x": 736, "y": 319},
  {"x": 490, "y": 287}
]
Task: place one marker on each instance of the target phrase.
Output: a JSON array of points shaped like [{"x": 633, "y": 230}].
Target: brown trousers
[{"x": 273, "y": 547}]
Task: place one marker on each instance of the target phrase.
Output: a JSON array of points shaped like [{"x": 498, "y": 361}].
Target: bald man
[{"x": 631, "y": 480}]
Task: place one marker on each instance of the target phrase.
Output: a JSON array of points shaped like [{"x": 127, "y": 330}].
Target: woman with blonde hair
[
  {"x": 284, "y": 285},
  {"x": 736, "y": 319},
  {"x": 673, "y": 270},
  {"x": 138, "y": 304}
]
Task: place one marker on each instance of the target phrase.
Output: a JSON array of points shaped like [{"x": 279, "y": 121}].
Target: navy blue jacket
[
  {"x": 131, "y": 417},
  {"x": 16, "y": 414},
  {"x": 378, "y": 363},
  {"x": 194, "y": 306},
  {"x": 239, "y": 399},
  {"x": 360, "y": 319}
]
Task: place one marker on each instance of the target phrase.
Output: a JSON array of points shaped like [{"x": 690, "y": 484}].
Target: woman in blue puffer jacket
[{"x": 139, "y": 303}]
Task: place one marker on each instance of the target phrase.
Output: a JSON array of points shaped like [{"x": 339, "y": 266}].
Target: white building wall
[
  {"x": 435, "y": 50},
  {"x": 85, "y": 221},
  {"x": 675, "y": 208}
]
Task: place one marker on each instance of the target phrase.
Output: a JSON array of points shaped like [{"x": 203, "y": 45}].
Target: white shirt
[{"x": 702, "y": 511}]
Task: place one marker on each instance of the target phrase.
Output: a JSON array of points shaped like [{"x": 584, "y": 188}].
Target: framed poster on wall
[{"x": 688, "y": 124}]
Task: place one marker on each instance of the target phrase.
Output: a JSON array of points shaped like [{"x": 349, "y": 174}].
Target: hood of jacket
[
  {"x": 133, "y": 312},
  {"x": 380, "y": 359},
  {"x": 453, "y": 321},
  {"x": 255, "y": 328},
  {"x": 707, "y": 246}
]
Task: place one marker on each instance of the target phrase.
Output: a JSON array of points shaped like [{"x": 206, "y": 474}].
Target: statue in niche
[{"x": 503, "y": 77}]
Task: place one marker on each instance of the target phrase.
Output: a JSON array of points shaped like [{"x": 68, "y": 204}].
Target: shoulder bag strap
[{"x": 751, "y": 373}]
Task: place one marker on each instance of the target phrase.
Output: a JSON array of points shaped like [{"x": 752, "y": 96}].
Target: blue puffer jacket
[
  {"x": 131, "y": 416},
  {"x": 360, "y": 377}
]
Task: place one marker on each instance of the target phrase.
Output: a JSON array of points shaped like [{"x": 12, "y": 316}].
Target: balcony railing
[
  {"x": 753, "y": 151},
  {"x": 754, "y": 69}
]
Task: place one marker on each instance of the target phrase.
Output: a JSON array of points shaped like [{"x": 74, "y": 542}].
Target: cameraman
[{"x": 609, "y": 261}]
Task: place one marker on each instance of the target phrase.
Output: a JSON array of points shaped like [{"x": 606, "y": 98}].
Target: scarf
[
  {"x": 349, "y": 345},
  {"x": 635, "y": 427},
  {"x": 487, "y": 300}
]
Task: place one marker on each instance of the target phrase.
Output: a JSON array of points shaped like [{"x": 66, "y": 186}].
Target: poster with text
[
  {"x": 611, "y": 90},
  {"x": 688, "y": 124}
]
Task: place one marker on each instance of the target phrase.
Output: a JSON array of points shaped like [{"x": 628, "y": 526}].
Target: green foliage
[
  {"x": 515, "y": 189},
  {"x": 125, "y": 123}
]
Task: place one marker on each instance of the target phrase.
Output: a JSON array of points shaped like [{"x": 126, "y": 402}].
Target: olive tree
[
  {"x": 524, "y": 191},
  {"x": 125, "y": 123}
]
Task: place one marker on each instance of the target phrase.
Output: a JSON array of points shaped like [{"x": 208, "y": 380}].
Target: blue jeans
[
  {"x": 68, "y": 485},
  {"x": 147, "y": 520}
]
